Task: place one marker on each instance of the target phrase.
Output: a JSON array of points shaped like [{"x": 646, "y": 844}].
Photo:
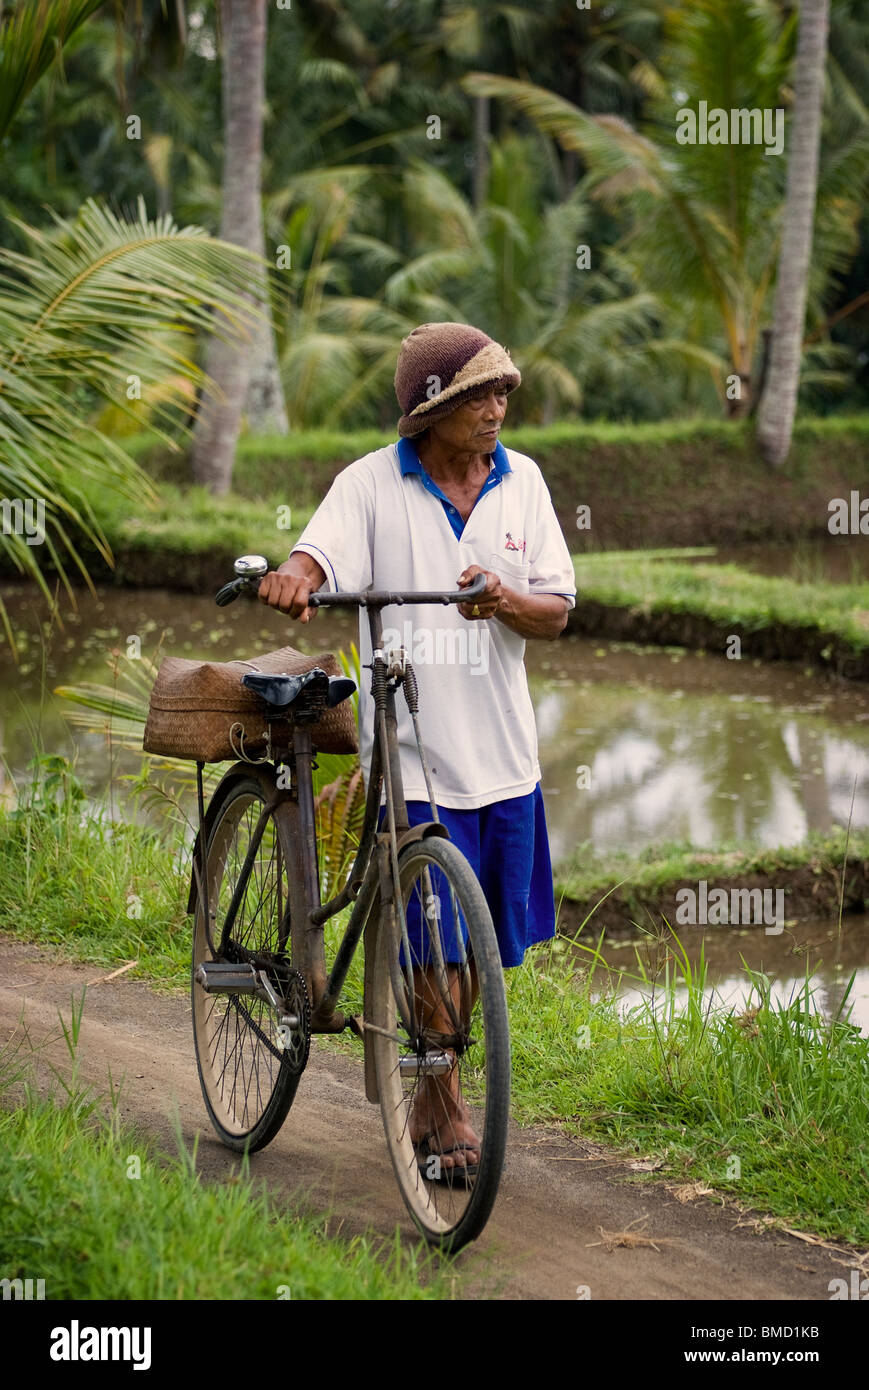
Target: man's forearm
[{"x": 533, "y": 615}]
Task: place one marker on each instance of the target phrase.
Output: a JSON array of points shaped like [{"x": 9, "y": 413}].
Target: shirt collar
[{"x": 410, "y": 462}]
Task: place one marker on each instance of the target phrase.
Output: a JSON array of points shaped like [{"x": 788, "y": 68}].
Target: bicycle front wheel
[
  {"x": 441, "y": 1044},
  {"x": 249, "y": 1068}
]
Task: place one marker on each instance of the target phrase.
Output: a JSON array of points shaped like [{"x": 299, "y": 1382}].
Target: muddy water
[
  {"x": 647, "y": 746},
  {"x": 638, "y": 746},
  {"x": 832, "y": 560}
]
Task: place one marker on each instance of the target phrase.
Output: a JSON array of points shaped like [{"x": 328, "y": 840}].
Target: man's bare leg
[{"x": 439, "y": 1112}]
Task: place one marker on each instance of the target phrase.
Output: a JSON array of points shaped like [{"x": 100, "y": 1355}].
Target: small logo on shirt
[{"x": 510, "y": 544}]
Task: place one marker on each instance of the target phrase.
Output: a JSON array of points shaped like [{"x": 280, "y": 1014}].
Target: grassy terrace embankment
[
  {"x": 673, "y": 602},
  {"x": 622, "y": 890},
  {"x": 692, "y": 483},
  {"x": 674, "y": 483},
  {"x": 682, "y": 483}
]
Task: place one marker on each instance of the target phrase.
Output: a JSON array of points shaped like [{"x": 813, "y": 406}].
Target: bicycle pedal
[
  {"x": 224, "y": 977},
  {"x": 430, "y": 1064}
]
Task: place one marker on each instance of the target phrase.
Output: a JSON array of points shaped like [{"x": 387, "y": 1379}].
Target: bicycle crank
[{"x": 291, "y": 1010}]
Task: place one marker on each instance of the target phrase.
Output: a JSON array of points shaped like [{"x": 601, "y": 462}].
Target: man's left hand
[{"x": 490, "y": 600}]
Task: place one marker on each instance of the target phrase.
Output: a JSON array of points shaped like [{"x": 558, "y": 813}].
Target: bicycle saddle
[{"x": 281, "y": 691}]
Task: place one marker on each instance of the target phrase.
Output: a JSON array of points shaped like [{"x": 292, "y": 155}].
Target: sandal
[{"x": 460, "y": 1174}]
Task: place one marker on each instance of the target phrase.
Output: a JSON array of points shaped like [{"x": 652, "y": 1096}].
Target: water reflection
[
  {"x": 699, "y": 762},
  {"x": 831, "y": 957}
]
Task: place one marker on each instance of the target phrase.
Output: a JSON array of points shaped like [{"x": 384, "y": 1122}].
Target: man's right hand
[{"x": 289, "y": 587}]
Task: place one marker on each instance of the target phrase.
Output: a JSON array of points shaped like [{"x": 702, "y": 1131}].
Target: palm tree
[
  {"x": 237, "y": 368},
  {"x": 778, "y": 406},
  {"x": 340, "y": 345},
  {"x": 701, "y": 213},
  {"x": 502, "y": 268},
  {"x": 95, "y": 303},
  {"x": 491, "y": 33},
  {"x": 603, "y": 58}
]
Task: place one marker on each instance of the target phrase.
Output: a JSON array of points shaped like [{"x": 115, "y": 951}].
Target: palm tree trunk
[
  {"x": 229, "y": 363},
  {"x": 265, "y": 406},
  {"x": 481, "y": 151},
  {"x": 778, "y": 406}
]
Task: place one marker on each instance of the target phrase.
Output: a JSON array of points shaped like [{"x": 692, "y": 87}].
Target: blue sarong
[{"x": 507, "y": 846}]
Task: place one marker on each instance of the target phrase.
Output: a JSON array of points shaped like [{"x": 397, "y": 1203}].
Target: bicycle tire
[
  {"x": 248, "y": 1077},
  {"x": 448, "y": 1206}
]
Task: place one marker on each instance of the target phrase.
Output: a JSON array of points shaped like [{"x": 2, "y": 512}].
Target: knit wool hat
[{"x": 442, "y": 365}]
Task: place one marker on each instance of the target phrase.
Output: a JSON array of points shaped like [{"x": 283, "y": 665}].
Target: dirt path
[{"x": 544, "y": 1238}]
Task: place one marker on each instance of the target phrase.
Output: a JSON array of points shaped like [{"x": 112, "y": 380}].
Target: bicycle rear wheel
[
  {"x": 249, "y": 1068},
  {"x": 441, "y": 1045}
]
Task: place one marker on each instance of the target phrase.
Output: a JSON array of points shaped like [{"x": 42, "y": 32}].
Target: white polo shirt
[{"x": 381, "y": 528}]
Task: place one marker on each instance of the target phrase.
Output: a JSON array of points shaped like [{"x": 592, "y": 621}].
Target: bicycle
[{"x": 434, "y": 1023}]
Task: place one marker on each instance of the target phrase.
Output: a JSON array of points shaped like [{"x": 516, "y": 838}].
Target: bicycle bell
[{"x": 251, "y": 566}]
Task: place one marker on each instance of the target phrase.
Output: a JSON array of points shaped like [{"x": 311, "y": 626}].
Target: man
[{"x": 449, "y": 502}]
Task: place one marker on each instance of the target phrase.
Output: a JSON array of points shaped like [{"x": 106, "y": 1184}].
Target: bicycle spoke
[
  {"x": 435, "y": 1077},
  {"x": 247, "y": 1082}
]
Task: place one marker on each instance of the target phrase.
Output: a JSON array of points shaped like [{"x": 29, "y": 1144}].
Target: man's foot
[
  {"x": 441, "y": 1129},
  {"x": 457, "y": 1164}
]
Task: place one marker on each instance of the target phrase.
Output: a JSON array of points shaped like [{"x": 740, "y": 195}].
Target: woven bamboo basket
[{"x": 201, "y": 710}]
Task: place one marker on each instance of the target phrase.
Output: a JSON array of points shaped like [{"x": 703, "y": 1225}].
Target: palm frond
[
  {"x": 31, "y": 37},
  {"x": 97, "y": 302},
  {"x": 340, "y": 809},
  {"x": 427, "y": 272}
]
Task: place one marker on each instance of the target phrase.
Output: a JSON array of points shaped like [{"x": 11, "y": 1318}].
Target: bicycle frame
[{"x": 375, "y": 868}]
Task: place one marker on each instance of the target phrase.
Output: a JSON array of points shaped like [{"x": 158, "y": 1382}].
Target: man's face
[{"x": 472, "y": 428}]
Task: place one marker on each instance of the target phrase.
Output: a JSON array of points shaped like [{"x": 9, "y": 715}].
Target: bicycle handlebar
[
  {"x": 383, "y": 598},
  {"x": 251, "y": 569}
]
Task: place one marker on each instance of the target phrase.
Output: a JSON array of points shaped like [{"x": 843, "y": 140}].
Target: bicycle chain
[
  {"x": 294, "y": 1053},
  {"x": 235, "y": 1001},
  {"x": 296, "y": 1050}
]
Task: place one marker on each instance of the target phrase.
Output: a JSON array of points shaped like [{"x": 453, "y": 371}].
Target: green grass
[
  {"x": 725, "y": 594},
  {"x": 101, "y": 891},
  {"x": 767, "y": 1103},
  {"x": 334, "y": 445},
  {"x": 781, "y": 1091},
  {"x": 92, "y": 1208}
]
